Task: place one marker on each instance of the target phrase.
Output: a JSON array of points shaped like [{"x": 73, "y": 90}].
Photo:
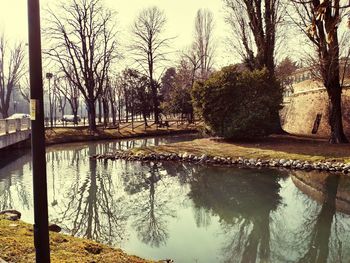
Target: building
[{"x": 306, "y": 106}]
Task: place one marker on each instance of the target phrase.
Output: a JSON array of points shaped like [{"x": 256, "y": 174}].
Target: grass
[
  {"x": 273, "y": 147},
  {"x": 78, "y": 134},
  {"x": 16, "y": 245}
]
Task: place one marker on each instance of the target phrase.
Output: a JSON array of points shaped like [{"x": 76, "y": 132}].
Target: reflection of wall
[
  {"x": 301, "y": 109},
  {"x": 313, "y": 184}
]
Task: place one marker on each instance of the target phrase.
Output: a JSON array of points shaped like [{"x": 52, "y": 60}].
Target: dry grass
[
  {"x": 16, "y": 245},
  {"x": 273, "y": 147},
  {"x": 78, "y": 134}
]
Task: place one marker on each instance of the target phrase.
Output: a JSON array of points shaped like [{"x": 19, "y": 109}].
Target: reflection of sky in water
[{"x": 186, "y": 212}]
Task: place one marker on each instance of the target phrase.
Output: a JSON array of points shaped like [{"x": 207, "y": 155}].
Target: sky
[{"x": 180, "y": 20}]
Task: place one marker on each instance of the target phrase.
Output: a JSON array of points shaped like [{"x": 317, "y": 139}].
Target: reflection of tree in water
[
  {"x": 13, "y": 193},
  {"x": 150, "y": 207},
  {"x": 317, "y": 230},
  {"x": 93, "y": 209},
  {"x": 320, "y": 233},
  {"x": 243, "y": 199}
]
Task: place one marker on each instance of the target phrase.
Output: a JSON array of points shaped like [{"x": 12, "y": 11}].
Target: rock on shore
[{"x": 225, "y": 161}]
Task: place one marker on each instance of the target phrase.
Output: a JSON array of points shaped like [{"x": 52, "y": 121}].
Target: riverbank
[
  {"x": 16, "y": 245},
  {"x": 79, "y": 134},
  {"x": 274, "y": 151}
]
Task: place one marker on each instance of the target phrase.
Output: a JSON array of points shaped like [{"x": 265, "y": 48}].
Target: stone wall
[
  {"x": 7, "y": 140},
  {"x": 301, "y": 109}
]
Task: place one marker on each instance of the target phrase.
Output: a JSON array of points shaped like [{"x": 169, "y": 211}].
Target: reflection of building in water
[
  {"x": 306, "y": 105},
  {"x": 314, "y": 184}
]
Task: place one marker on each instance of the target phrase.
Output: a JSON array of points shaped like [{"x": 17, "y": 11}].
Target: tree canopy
[{"x": 238, "y": 104}]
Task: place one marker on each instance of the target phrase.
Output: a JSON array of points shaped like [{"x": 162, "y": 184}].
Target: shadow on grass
[{"x": 293, "y": 145}]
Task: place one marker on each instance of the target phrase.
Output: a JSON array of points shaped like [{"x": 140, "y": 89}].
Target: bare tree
[
  {"x": 148, "y": 47},
  {"x": 254, "y": 24},
  {"x": 320, "y": 20},
  {"x": 203, "y": 43},
  {"x": 62, "y": 102},
  {"x": 71, "y": 94},
  {"x": 119, "y": 92},
  {"x": 111, "y": 95},
  {"x": 83, "y": 43},
  {"x": 11, "y": 71},
  {"x": 193, "y": 60},
  {"x": 24, "y": 89}
]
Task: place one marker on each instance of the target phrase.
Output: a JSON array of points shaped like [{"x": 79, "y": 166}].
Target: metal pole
[{"x": 41, "y": 233}]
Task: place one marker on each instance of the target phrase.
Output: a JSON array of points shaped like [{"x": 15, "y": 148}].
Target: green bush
[{"x": 236, "y": 104}]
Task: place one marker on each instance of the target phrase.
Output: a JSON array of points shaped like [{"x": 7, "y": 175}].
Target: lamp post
[{"x": 41, "y": 233}]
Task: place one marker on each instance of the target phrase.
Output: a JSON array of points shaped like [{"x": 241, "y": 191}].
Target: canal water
[{"x": 186, "y": 212}]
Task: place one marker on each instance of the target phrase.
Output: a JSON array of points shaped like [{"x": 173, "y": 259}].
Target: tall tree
[
  {"x": 254, "y": 25},
  {"x": 204, "y": 43},
  {"x": 320, "y": 20},
  {"x": 11, "y": 71},
  {"x": 84, "y": 43},
  {"x": 148, "y": 47}
]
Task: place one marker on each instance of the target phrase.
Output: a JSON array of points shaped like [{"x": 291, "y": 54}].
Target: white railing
[{"x": 14, "y": 125}]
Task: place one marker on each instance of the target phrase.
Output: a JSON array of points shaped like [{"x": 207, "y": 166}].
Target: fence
[{"x": 14, "y": 125}]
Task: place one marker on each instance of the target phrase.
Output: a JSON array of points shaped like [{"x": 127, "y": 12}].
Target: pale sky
[{"x": 180, "y": 20}]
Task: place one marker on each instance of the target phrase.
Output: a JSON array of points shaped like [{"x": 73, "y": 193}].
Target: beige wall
[{"x": 300, "y": 110}]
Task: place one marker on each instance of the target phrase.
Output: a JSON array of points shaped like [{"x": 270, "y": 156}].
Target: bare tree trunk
[
  {"x": 91, "y": 114},
  {"x": 323, "y": 19},
  {"x": 113, "y": 109},
  {"x": 63, "y": 109},
  {"x": 119, "y": 110},
  {"x": 99, "y": 101},
  {"x": 155, "y": 101},
  {"x": 105, "y": 112},
  {"x": 144, "y": 115},
  {"x": 331, "y": 73},
  {"x": 335, "y": 114},
  {"x": 50, "y": 105}
]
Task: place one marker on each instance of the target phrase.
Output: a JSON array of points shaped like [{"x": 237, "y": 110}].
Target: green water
[{"x": 189, "y": 213}]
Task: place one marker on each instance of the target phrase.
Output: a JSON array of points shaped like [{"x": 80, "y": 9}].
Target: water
[{"x": 189, "y": 213}]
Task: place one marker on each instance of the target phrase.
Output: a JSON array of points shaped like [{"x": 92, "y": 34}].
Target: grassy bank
[
  {"x": 79, "y": 134},
  {"x": 16, "y": 245},
  {"x": 273, "y": 147}
]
